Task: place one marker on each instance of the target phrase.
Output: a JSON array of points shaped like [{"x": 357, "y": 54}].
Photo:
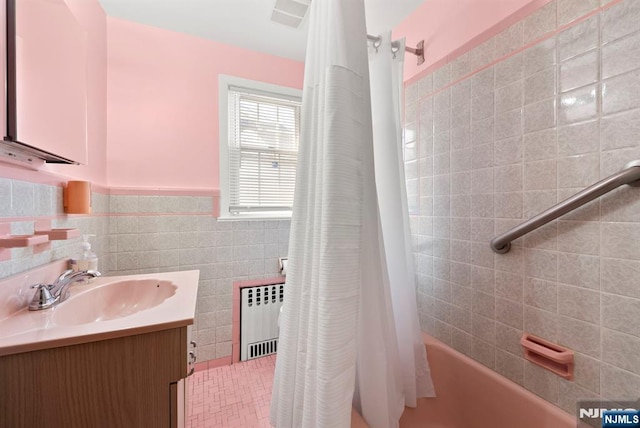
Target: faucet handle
[{"x": 42, "y": 298}]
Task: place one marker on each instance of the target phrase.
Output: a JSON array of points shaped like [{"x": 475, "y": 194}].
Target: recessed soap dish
[{"x": 548, "y": 355}]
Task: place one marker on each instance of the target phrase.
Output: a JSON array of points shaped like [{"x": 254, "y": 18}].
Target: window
[{"x": 258, "y": 148}]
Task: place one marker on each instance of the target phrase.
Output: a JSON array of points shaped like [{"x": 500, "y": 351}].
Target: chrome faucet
[{"x": 48, "y": 295}]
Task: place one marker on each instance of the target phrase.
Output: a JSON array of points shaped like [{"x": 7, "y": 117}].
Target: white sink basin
[
  {"x": 107, "y": 308},
  {"x": 113, "y": 300}
]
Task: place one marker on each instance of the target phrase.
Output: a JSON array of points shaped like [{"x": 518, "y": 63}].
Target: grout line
[
  {"x": 159, "y": 214},
  {"x": 102, "y": 214}
]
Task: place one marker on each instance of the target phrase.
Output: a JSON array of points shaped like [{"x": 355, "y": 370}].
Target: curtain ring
[
  {"x": 394, "y": 49},
  {"x": 377, "y": 44}
]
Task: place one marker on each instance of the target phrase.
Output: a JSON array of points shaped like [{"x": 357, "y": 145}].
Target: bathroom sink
[
  {"x": 107, "y": 308},
  {"x": 113, "y": 300}
]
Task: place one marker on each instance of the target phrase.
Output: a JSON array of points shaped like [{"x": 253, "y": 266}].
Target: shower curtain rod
[{"x": 417, "y": 51}]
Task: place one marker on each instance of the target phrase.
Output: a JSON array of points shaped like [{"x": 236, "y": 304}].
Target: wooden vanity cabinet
[{"x": 122, "y": 382}]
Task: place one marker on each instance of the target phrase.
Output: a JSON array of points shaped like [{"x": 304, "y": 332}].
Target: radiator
[{"x": 259, "y": 310}]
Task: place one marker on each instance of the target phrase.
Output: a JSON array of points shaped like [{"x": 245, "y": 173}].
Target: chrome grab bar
[{"x": 629, "y": 175}]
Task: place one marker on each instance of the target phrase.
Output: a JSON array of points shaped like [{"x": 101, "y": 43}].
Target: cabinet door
[
  {"x": 178, "y": 393},
  {"x": 51, "y": 78},
  {"x": 173, "y": 405}
]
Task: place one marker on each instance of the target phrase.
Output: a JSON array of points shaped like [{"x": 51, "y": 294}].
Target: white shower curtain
[
  {"x": 386, "y": 61},
  {"x": 338, "y": 343}
]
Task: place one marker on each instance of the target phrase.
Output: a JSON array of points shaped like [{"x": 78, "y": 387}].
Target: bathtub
[{"x": 470, "y": 395}]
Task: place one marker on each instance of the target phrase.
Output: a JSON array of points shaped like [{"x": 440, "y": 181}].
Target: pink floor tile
[{"x": 236, "y": 396}]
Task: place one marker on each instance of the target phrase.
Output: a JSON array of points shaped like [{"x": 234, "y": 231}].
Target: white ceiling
[{"x": 245, "y": 23}]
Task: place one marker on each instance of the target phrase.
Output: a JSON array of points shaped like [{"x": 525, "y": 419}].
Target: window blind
[{"x": 264, "y": 130}]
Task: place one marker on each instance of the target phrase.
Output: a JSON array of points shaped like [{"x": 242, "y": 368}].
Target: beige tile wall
[
  {"x": 485, "y": 150},
  {"x": 21, "y": 199},
  {"x": 147, "y": 234}
]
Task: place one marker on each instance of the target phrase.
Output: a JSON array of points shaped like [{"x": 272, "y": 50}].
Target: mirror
[{"x": 50, "y": 80}]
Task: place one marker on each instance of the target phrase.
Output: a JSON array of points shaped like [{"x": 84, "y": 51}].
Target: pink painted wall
[
  {"x": 163, "y": 103},
  {"x": 161, "y": 95},
  {"x": 448, "y": 25},
  {"x": 92, "y": 18}
]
